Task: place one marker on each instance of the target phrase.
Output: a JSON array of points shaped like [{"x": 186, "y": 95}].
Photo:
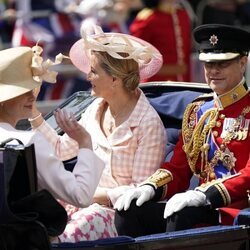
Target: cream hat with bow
[
  {"x": 145, "y": 54},
  {"x": 23, "y": 69}
]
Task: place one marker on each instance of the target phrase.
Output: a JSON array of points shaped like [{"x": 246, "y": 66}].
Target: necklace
[{"x": 112, "y": 118}]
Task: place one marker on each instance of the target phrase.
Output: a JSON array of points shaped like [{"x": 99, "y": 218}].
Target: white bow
[
  {"x": 40, "y": 68},
  {"x": 115, "y": 44}
]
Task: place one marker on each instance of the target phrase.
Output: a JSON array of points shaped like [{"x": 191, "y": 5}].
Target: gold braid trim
[
  {"x": 187, "y": 128},
  {"x": 160, "y": 178},
  {"x": 224, "y": 193},
  {"x": 218, "y": 184},
  {"x": 195, "y": 140}
]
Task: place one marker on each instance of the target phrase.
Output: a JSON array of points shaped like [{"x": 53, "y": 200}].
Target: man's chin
[{"x": 217, "y": 87}]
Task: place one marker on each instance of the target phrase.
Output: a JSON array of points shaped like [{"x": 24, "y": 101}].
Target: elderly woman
[
  {"x": 126, "y": 131},
  {"x": 22, "y": 70}
]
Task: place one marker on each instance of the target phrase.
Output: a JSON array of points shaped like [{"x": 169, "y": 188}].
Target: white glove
[
  {"x": 186, "y": 199},
  {"x": 114, "y": 193},
  {"x": 142, "y": 194}
]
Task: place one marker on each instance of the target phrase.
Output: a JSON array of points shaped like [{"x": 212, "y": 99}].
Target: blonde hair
[{"x": 125, "y": 69}]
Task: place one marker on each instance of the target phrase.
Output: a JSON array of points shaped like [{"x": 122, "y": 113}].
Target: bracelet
[
  {"x": 33, "y": 119},
  {"x": 109, "y": 201}
]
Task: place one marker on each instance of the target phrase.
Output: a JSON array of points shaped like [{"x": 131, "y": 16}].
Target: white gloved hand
[
  {"x": 142, "y": 194},
  {"x": 114, "y": 193},
  {"x": 186, "y": 199}
]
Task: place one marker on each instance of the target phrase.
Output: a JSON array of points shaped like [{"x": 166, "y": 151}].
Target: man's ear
[{"x": 244, "y": 61}]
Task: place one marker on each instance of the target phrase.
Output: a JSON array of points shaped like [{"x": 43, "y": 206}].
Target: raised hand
[{"x": 68, "y": 123}]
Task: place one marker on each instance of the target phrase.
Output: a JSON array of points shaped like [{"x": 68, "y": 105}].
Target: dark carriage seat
[
  {"x": 209, "y": 238},
  {"x": 170, "y": 106},
  {"x": 243, "y": 218}
]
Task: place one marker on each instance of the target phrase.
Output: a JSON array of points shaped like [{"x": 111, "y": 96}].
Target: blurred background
[{"x": 167, "y": 24}]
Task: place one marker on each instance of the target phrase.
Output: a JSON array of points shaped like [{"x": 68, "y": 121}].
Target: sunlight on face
[
  {"x": 223, "y": 76},
  {"x": 19, "y": 107},
  {"x": 100, "y": 80}
]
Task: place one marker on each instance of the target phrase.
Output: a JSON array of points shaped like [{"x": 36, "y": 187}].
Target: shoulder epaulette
[
  {"x": 204, "y": 97},
  {"x": 144, "y": 14}
]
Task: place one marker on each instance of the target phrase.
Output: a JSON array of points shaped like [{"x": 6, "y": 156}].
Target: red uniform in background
[{"x": 169, "y": 30}]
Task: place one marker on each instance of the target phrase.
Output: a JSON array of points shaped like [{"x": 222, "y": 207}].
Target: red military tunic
[
  {"x": 170, "y": 32},
  {"x": 221, "y": 161}
]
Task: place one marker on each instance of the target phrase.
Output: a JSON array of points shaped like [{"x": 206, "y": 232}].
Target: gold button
[
  {"x": 215, "y": 133},
  {"x": 218, "y": 124},
  {"x": 213, "y": 161},
  {"x": 203, "y": 175},
  {"x": 212, "y": 176},
  {"x": 222, "y": 116}
]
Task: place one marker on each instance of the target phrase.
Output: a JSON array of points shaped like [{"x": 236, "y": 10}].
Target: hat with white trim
[{"x": 218, "y": 42}]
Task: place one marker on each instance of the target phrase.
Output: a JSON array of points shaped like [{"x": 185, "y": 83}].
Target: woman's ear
[{"x": 116, "y": 81}]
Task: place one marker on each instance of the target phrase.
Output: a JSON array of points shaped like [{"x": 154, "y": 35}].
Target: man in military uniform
[{"x": 214, "y": 145}]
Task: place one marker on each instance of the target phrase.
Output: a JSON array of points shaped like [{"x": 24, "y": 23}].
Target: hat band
[
  {"x": 239, "y": 51},
  {"x": 207, "y": 57}
]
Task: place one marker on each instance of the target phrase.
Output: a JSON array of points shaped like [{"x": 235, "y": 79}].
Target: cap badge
[
  {"x": 235, "y": 96},
  {"x": 213, "y": 39}
]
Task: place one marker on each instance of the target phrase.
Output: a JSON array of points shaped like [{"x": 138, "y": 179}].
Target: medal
[
  {"x": 241, "y": 127},
  {"x": 228, "y": 160},
  {"x": 236, "y": 125},
  {"x": 245, "y": 129}
]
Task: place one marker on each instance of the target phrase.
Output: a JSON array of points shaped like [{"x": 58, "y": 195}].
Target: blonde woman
[{"x": 126, "y": 131}]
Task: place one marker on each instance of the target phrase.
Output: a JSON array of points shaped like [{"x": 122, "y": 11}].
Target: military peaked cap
[{"x": 221, "y": 42}]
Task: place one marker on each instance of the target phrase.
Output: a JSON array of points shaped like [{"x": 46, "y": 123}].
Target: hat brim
[
  {"x": 10, "y": 91},
  {"x": 80, "y": 57},
  {"x": 213, "y": 57}
]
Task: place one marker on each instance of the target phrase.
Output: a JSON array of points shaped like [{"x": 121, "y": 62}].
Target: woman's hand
[
  {"x": 101, "y": 197},
  {"x": 68, "y": 123}
]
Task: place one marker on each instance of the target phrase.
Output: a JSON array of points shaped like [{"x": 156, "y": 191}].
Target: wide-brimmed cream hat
[
  {"x": 23, "y": 69},
  {"x": 145, "y": 54}
]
